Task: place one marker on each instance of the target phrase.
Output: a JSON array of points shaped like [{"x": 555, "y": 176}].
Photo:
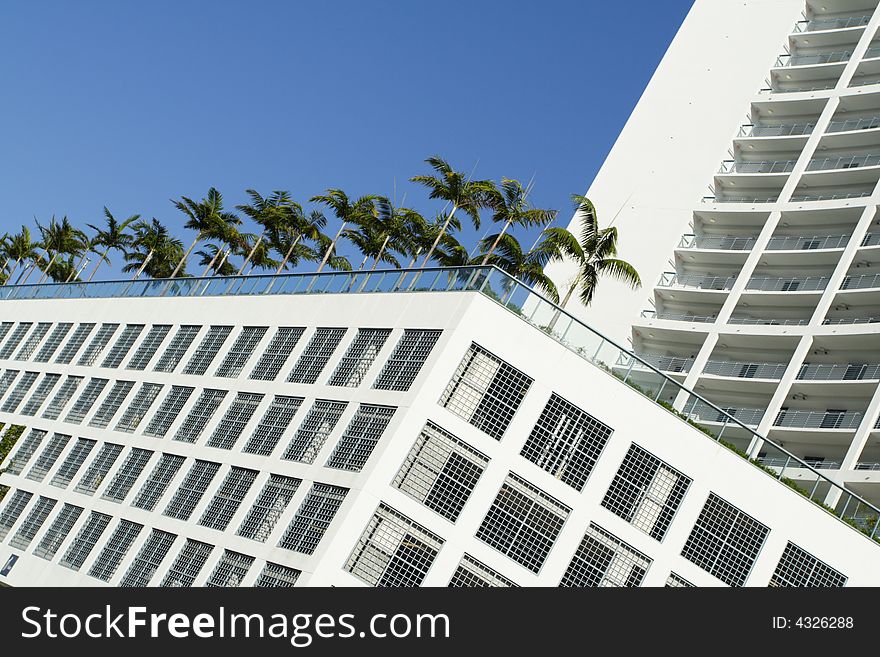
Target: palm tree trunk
[
  {"x": 185, "y": 256},
  {"x": 211, "y": 264},
  {"x": 251, "y": 254},
  {"x": 48, "y": 267},
  {"x": 495, "y": 244},
  {"x": 288, "y": 254},
  {"x": 12, "y": 271},
  {"x": 331, "y": 247},
  {"x": 565, "y": 301},
  {"x": 27, "y": 272},
  {"x": 98, "y": 264},
  {"x": 77, "y": 269},
  {"x": 222, "y": 261},
  {"x": 439, "y": 236},
  {"x": 143, "y": 266},
  {"x": 381, "y": 251}
]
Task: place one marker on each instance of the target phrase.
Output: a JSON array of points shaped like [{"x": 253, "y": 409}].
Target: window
[
  {"x": 229, "y": 497},
  {"x": 86, "y": 400},
  {"x": 149, "y": 347},
  {"x": 19, "y": 500},
  {"x": 276, "y": 354},
  {"x": 677, "y": 581},
  {"x": 188, "y": 564},
  {"x": 15, "y": 338},
  {"x": 120, "y": 350},
  {"x": 138, "y": 407},
  {"x": 725, "y": 541},
  {"x": 317, "y": 425},
  {"x": 264, "y": 514},
  {"x": 207, "y": 350},
  {"x": 21, "y": 389},
  {"x": 40, "y": 394},
  {"x": 241, "y": 351},
  {"x": 566, "y": 442},
  {"x": 158, "y": 481},
  {"x": 177, "y": 348},
  {"x": 24, "y": 453},
  {"x": 360, "y": 437},
  {"x": 148, "y": 560},
  {"x": 76, "y": 341},
  {"x": 97, "y": 345},
  {"x": 32, "y": 523},
  {"x": 799, "y": 568},
  {"x": 523, "y": 522},
  {"x": 47, "y": 457},
  {"x": 646, "y": 492},
  {"x": 65, "y": 474},
  {"x": 277, "y": 576},
  {"x": 191, "y": 490},
  {"x": 127, "y": 474},
  {"x": 55, "y": 339},
  {"x": 234, "y": 421},
  {"x": 64, "y": 395},
  {"x": 485, "y": 391},
  {"x": 360, "y": 355},
  {"x": 316, "y": 354},
  {"x": 602, "y": 559},
  {"x": 58, "y": 531},
  {"x": 200, "y": 415},
  {"x": 313, "y": 518},
  {"x": 406, "y": 360},
  {"x": 393, "y": 551},
  {"x": 4, "y": 329},
  {"x": 98, "y": 469},
  {"x": 475, "y": 574},
  {"x": 111, "y": 404},
  {"x": 441, "y": 471},
  {"x": 34, "y": 339},
  {"x": 230, "y": 570},
  {"x": 115, "y": 550},
  {"x": 168, "y": 411},
  {"x": 85, "y": 541},
  {"x": 7, "y": 379},
  {"x": 273, "y": 425}
]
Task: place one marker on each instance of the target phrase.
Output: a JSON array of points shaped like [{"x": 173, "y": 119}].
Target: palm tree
[
  {"x": 455, "y": 188},
  {"x": 525, "y": 266},
  {"x": 153, "y": 250},
  {"x": 208, "y": 218},
  {"x": 346, "y": 211},
  {"x": 511, "y": 207},
  {"x": 270, "y": 213},
  {"x": 60, "y": 239},
  {"x": 21, "y": 248},
  {"x": 288, "y": 236},
  {"x": 215, "y": 259},
  {"x": 401, "y": 230},
  {"x": 115, "y": 236}
]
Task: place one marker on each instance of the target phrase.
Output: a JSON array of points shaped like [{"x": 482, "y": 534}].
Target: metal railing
[
  {"x": 865, "y": 281},
  {"x": 852, "y": 162},
  {"x": 821, "y": 86},
  {"x": 662, "y": 363},
  {"x": 871, "y": 239},
  {"x": 804, "y": 243},
  {"x": 829, "y": 197},
  {"x": 780, "y": 284},
  {"x": 771, "y": 371},
  {"x": 683, "y": 317},
  {"x": 867, "y": 465},
  {"x": 847, "y": 125},
  {"x": 818, "y": 419},
  {"x": 760, "y": 321},
  {"x": 818, "y": 24},
  {"x": 739, "y": 199},
  {"x": 494, "y": 284},
  {"x": 704, "y": 411},
  {"x": 719, "y": 242},
  {"x": 833, "y": 321},
  {"x": 698, "y": 281},
  {"x": 864, "y": 80},
  {"x": 781, "y": 130},
  {"x": 762, "y": 166},
  {"x": 838, "y": 372},
  {"x": 872, "y": 52},
  {"x": 834, "y": 57},
  {"x": 819, "y": 465}
]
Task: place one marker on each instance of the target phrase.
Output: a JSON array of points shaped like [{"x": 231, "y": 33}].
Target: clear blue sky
[{"x": 130, "y": 104}]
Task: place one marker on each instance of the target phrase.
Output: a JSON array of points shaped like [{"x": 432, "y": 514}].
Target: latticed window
[
  {"x": 98, "y": 344},
  {"x": 168, "y": 411},
  {"x": 230, "y": 570},
  {"x": 393, "y": 551},
  {"x": 58, "y": 531},
  {"x": 53, "y": 342},
  {"x": 191, "y": 490},
  {"x": 523, "y": 522},
  {"x": 17, "y": 503},
  {"x": 207, "y": 350},
  {"x": 115, "y": 550},
  {"x": 602, "y": 559},
  {"x": 188, "y": 564},
  {"x": 21, "y": 389},
  {"x": 646, "y": 492},
  {"x": 138, "y": 407},
  {"x": 13, "y": 341},
  {"x": 272, "y": 425},
  {"x": 75, "y": 343},
  {"x": 566, "y": 442},
  {"x": 241, "y": 350},
  {"x": 47, "y": 457},
  {"x": 123, "y": 344},
  {"x": 316, "y": 355},
  {"x": 86, "y": 400},
  {"x": 441, "y": 471},
  {"x": 158, "y": 481},
  {"x": 475, "y": 574},
  {"x": 148, "y": 560},
  {"x": 4, "y": 329},
  {"x": 677, "y": 581},
  {"x": 127, "y": 474},
  {"x": 64, "y": 395},
  {"x": 313, "y": 518},
  {"x": 149, "y": 347},
  {"x": 240, "y": 412},
  {"x": 177, "y": 348},
  {"x": 200, "y": 415},
  {"x": 65, "y": 474},
  {"x": 85, "y": 540},
  {"x": 485, "y": 391},
  {"x": 98, "y": 469},
  {"x": 407, "y": 359},
  {"x": 24, "y": 453},
  {"x": 32, "y": 523},
  {"x": 266, "y": 511},
  {"x": 229, "y": 497},
  {"x": 111, "y": 404},
  {"x": 725, "y": 542},
  {"x": 7, "y": 379},
  {"x": 799, "y": 568},
  {"x": 360, "y": 355},
  {"x": 34, "y": 339},
  {"x": 276, "y": 354},
  {"x": 312, "y": 433},
  {"x": 360, "y": 437},
  {"x": 41, "y": 394},
  {"x": 277, "y": 576}
]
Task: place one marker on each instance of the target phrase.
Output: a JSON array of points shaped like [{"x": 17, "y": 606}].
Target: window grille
[
  {"x": 230, "y": 570},
  {"x": 97, "y": 345},
  {"x": 14, "y": 339},
  {"x": 138, "y": 407},
  {"x": 158, "y": 481},
  {"x": 276, "y": 354},
  {"x": 177, "y": 348},
  {"x": 168, "y": 411},
  {"x": 127, "y": 474},
  {"x": 34, "y": 339},
  {"x": 148, "y": 560},
  {"x": 17, "y": 503},
  {"x": 313, "y": 518},
  {"x": 602, "y": 559},
  {"x": 240, "y": 352},
  {"x": 47, "y": 457},
  {"x": 207, "y": 350},
  {"x": 677, "y": 581},
  {"x": 277, "y": 576},
  {"x": 123, "y": 344},
  {"x": 76, "y": 341},
  {"x": 98, "y": 469},
  {"x": 111, "y": 404},
  {"x": 71, "y": 465},
  {"x": 407, "y": 359},
  {"x": 312, "y": 433},
  {"x": 360, "y": 437},
  {"x": 85, "y": 540},
  {"x": 13, "y": 401},
  {"x": 235, "y": 420},
  {"x": 200, "y": 415},
  {"x": 188, "y": 564},
  {"x": 65, "y": 394},
  {"x": 316, "y": 355},
  {"x": 86, "y": 400},
  {"x": 32, "y": 523},
  {"x": 58, "y": 531},
  {"x": 40, "y": 394},
  {"x": 228, "y": 498},
  {"x": 475, "y": 574},
  {"x": 191, "y": 490},
  {"x": 799, "y": 568},
  {"x": 266, "y": 511},
  {"x": 272, "y": 425},
  {"x": 24, "y": 453},
  {"x": 149, "y": 347},
  {"x": 360, "y": 355},
  {"x": 7, "y": 379},
  {"x": 115, "y": 550}
]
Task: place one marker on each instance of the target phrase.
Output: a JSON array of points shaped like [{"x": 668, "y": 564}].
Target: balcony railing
[
  {"x": 829, "y": 197},
  {"x": 683, "y": 317},
  {"x": 867, "y": 465},
  {"x": 833, "y": 321},
  {"x": 803, "y": 243},
  {"x": 760, "y": 321},
  {"x": 852, "y": 162},
  {"x": 865, "y": 281},
  {"x": 818, "y": 24},
  {"x": 781, "y": 130},
  {"x": 819, "y": 86},
  {"x": 718, "y": 242},
  {"x": 813, "y": 59},
  {"x": 819, "y": 465},
  {"x": 777, "y": 284},
  {"x": 847, "y": 125},
  {"x": 706, "y": 412},
  {"x": 699, "y": 281},
  {"x": 763, "y": 166},
  {"x": 818, "y": 419},
  {"x": 838, "y": 372},
  {"x": 771, "y": 371},
  {"x": 871, "y": 239},
  {"x": 662, "y": 363},
  {"x": 872, "y": 52},
  {"x": 739, "y": 199}
]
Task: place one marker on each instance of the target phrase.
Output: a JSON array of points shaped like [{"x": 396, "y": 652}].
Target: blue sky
[{"x": 130, "y": 104}]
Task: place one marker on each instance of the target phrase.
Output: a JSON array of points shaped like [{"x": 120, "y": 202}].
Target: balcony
[
  {"x": 850, "y": 162},
  {"x": 724, "y": 198},
  {"x": 872, "y": 52},
  {"x": 850, "y": 125},
  {"x": 818, "y": 419},
  {"x": 783, "y": 130},
  {"x": 776, "y": 462},
  {"x": 779, "y": 284},
  {"x": 761, "y": 166},
  {"x": 822, "y": 24},
  {"x": 680, "y": 317},
  {"x": 830, "y": 197},
  {"x": 702, "y": 412},
  {"x": 867, "y": 465},
  {"x": 863, "y": 282},
  {"x": 770, "y": 371},
  {"x": 804, "y": 243},
  {"x": 674, "y": 364},
  {"x": 837, "y": 321},
  {"x": 760, "y": 321},
  {"x": 871, "y": 239},
  {"x": 813, "y": 59},
  {"x": 838, "y": 372},
  {"x": 697, "y": 281},
  {"x": 822, "y": 85},
  {"x": 718, "y": 242}
]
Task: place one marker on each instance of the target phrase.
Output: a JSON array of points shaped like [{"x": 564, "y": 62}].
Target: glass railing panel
[
  {"x": 807, "y": 243},
  {"x": 796, "y": 59},
  {"x": 834, "y": 163},
  {"x": 774, "y": 284},
  {"x": 821, "y": 24},
  {"x": 847, "y": 125},
  {"x": 782, "y": 130},
  {"x": 860, "y": 282}
]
